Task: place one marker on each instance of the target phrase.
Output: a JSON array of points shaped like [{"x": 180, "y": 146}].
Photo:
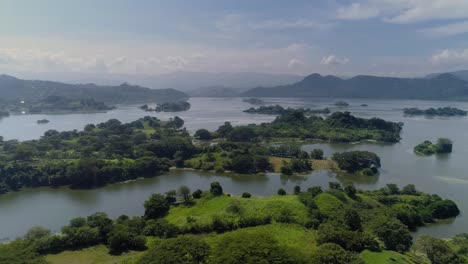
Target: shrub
[
  {"x": 246, "y": 195},
  {"x": 281, "y": 191}
]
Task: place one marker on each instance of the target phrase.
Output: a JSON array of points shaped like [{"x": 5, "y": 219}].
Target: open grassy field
[
  {"x": 93, "y": 255},
  {"x": 207, "y": 207},
  {"x": 390, "y": 257}
]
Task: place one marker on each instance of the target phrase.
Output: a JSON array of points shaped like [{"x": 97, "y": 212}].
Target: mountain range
[
  {"x": 12, "y": 89},
  {"x": 443, "y": 86}
]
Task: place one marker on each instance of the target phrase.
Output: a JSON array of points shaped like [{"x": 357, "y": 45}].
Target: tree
[
  {"x": 242, "y": 133},
  {"x": 354, "y": 161},
  {"x": 24, "y": 152},
  {"x": 444, "y": 145},
  {"x": 297, "y": 189},
  {"x": 246, "y": 195},
  {"x": 180, "y": 250},
  {"x": 203, "y": 134},
  {"x": 176, "y": 122},
  {"x": 197, "y": 194},
  {"x": 392, "y": 233},
  {"x": 156, "y": 206},
  {"x": 225, "y": 129},
  {"x": 409, "y": 189},
  {"x": 281, "y": 191},
  {"x": 350, "y": 190},
  {"x": 353, "y": 220},
  {"x": 316, "y": 154},
  {"x": 436, "y": 250},
  {"x": 36, "y": 233},
  {"x": 121, "y": 240},
  {"x": 216, "y": 189},
  {"x": 444, "y": 209},
  {"x": 330, "y": 253},
  {"x": 102, "y": 222},
  {"x": 184, "y": 192},
  {"x": 243, "y": 164}
]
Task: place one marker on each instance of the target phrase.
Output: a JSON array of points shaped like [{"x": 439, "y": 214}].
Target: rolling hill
[{"x": 441, "y": 87}]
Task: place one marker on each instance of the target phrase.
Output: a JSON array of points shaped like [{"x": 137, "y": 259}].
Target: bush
[
  {"x": 316, "y": 154},
  {"x": 121, "y": 240},
  {"x": 197, "y": 194},
  {"x": 246, "y": 195},
  {"x": 281, "y": 191},
  {"x": 216, "y": 189},
  {"x": 156, "y": 206}
]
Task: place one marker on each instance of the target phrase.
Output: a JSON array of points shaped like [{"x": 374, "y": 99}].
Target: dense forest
[
  {"x": 340, "y": 225},
  {"x": 57, "y": 104},
  {"x": 441, "y": 111},
  {"x": 112, "y": 151}
]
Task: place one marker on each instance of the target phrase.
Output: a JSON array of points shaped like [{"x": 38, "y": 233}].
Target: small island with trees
[
  {"x": 427, "y": 148},
  {"x": 179, "y": 106},
  {"x": 254, "y": 101},
  {"x": 279, "y": 110},
  {"x": 442, "y": 111},
  {"x": 43, "y": 121},
  {"x": 341, "y": 104}
]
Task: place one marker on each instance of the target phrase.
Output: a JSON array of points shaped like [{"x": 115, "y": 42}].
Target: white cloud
[
  {"x": 333, "y": 60},
  {"x": 450, "y": 57},
  {"x": 447, "y": 30},
  {"x": 405, "y": 11},
  {"x": 242, "y": 23},
  {"x": 356, "y": 11},
  {"x": 295, "y": 63}
]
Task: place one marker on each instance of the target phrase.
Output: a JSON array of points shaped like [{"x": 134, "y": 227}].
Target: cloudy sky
[{"x": 381, "y": 37}]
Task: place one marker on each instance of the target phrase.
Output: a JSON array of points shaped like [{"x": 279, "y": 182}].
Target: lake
[{"x": 444, "y": 175}]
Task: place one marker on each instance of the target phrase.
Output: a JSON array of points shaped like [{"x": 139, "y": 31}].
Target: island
[
  {"x": 360, "y": 162},
  {"x": 59, "y": 104},
  {"x": 341, "y": 104},
  {"x": 179, "y": 106},
  {"x": 443, "y": 146},
  {"x": 279, "y": 110},
  {"x": 443, "y": 111},
  {"x": 43, "y": 121},
  {"x": 182, "y": 225},
  {"x": 254, "y": 101},
  {"x": 338, "y": 127}
]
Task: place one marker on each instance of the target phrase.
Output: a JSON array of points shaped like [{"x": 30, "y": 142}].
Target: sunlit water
[{"x": 444, "y": 175}]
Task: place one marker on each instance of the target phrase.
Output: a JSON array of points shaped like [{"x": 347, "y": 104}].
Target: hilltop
[
  {"x": 14, "y": 89},
  {"x": 441, "y": 87}
]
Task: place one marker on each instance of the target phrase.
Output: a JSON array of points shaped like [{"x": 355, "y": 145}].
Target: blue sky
[{"x": 381, "y": 37}]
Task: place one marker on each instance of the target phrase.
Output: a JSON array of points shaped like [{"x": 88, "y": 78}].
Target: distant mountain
[
  {"x": 183, "y": 81},
  {"x": 443, "y": 86},
  {"x": 463, "y": 74},
  {"x": 12, "y": 88}
]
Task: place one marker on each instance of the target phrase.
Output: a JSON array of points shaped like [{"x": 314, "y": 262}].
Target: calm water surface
[{"x": 444, "y": 175}]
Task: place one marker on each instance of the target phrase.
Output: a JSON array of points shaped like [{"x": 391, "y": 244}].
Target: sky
[{"x": 346, "y": 38}]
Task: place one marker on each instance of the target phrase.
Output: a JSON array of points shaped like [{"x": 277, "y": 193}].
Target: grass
[
  {"x": 93, "y": 255},
  {"x": 290, "y": 236},
  {"x": 276, "y": 162},
  {"x": 208, "y": 206},
  {"x": 390, "y": 257}
]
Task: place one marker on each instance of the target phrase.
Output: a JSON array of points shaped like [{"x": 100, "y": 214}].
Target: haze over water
[{"x": 442, "y": 175}]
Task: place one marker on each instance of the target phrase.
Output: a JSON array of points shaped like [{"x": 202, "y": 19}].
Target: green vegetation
[
  {"x": 339, "y": 225},
  {"x": 362, "y": 162},
  {"x": 254, "y": 101},
  {"x": 338, "y": 127},
  {"x": 342, "y": 104},
  {"x": 58, "y": 104},
  {"x": 106, "y": 153},
  {"x": 178, "y": 106},
  {"x": 43, "y": 121},
  {"x": 443, "y": 145},
  {"x": 441, "y": 111},
  {"x": 279, "y": 110}
]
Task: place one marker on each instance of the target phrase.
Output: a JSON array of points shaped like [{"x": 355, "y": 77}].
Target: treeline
[
  {"x": 346, "y": 221},
  {"x": 178, "y": 106},
  {"x": 108, "y": 152},
  {"x": 338, "y": 127},
  {"x": 441, "y": 111},
  {"x": 279, "y": 110}
]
